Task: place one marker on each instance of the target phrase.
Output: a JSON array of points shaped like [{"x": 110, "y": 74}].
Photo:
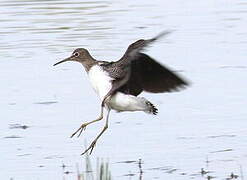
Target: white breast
[{"x": 100, "y": 81}]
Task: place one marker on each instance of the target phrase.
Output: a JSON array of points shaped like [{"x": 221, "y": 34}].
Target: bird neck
[{"x": 88, "y": 62}]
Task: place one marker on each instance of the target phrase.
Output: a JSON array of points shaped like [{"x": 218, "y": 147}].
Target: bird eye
[{"x": 76, "y": 54}]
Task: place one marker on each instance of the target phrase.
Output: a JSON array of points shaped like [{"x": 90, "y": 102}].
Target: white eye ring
[{"x": 76, "y": 54}]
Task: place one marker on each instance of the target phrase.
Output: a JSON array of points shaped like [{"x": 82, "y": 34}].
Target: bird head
[{"x": 79, "y": 55}]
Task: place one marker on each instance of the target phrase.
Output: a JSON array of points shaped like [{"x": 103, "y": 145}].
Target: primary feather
[{"x": 149, "y": 75}]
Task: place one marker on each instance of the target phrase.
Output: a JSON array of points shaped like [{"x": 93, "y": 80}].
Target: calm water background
[{"x": 202, "y": 127}]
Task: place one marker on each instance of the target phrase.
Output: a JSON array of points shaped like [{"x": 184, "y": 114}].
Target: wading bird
[{"x": 119, "y": 83}]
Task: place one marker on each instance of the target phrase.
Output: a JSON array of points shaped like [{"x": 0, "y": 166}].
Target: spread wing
[
  {"x": 136, "y": 72},
  {"x": 135, "y": 48},
  {"x": 148, "y": 75},
  {"x": 119, "y": 69}
]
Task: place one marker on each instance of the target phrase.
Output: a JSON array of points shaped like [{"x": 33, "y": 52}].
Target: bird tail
[{"x": 151, "y": 109}]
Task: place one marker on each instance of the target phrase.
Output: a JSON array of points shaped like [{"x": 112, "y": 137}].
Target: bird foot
[
  {"x": 81, "y": 128},
  {"x": 92, "y": 145}
]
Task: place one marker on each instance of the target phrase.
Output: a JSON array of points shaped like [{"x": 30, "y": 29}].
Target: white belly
[
  {"x": 100, "y": 81},
  {"x": 125, "y": 102}
]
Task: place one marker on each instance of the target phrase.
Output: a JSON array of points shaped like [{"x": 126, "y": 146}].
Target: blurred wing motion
[
  {"x": 135, "y": 48},
  {"x": 148, "y": 75},
  {"x": 120, "y": 70}
]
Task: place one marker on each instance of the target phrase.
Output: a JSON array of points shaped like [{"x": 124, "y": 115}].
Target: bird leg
[
  {"x": 112, "y": 91},
  {"x": 84, "y": 125},
  {"x": 92, "y": 145},
  {"x": 106, "y": 97}
]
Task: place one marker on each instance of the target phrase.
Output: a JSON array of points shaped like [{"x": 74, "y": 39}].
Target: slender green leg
[
  {"x": 84, "y": 125},
  {"x": 92, "y": 145}
]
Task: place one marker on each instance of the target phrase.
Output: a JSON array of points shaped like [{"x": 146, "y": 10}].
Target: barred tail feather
[{"x": 151, "y": 108}]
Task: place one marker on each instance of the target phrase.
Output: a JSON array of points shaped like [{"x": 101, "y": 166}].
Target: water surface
[{"x": 202, "y": 127}]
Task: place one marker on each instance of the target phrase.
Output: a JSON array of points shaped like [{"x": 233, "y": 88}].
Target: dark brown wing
[
  {"x": 148, "y": 75},
  {"x": 120, "y": 70},
  {"x": 135, "y": 48}
]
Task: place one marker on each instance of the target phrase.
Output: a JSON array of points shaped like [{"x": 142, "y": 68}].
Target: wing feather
[{"x": 148, "y": 75}]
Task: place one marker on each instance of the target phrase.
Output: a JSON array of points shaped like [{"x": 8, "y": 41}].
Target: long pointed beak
[{"x": 67, "y": 59}]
